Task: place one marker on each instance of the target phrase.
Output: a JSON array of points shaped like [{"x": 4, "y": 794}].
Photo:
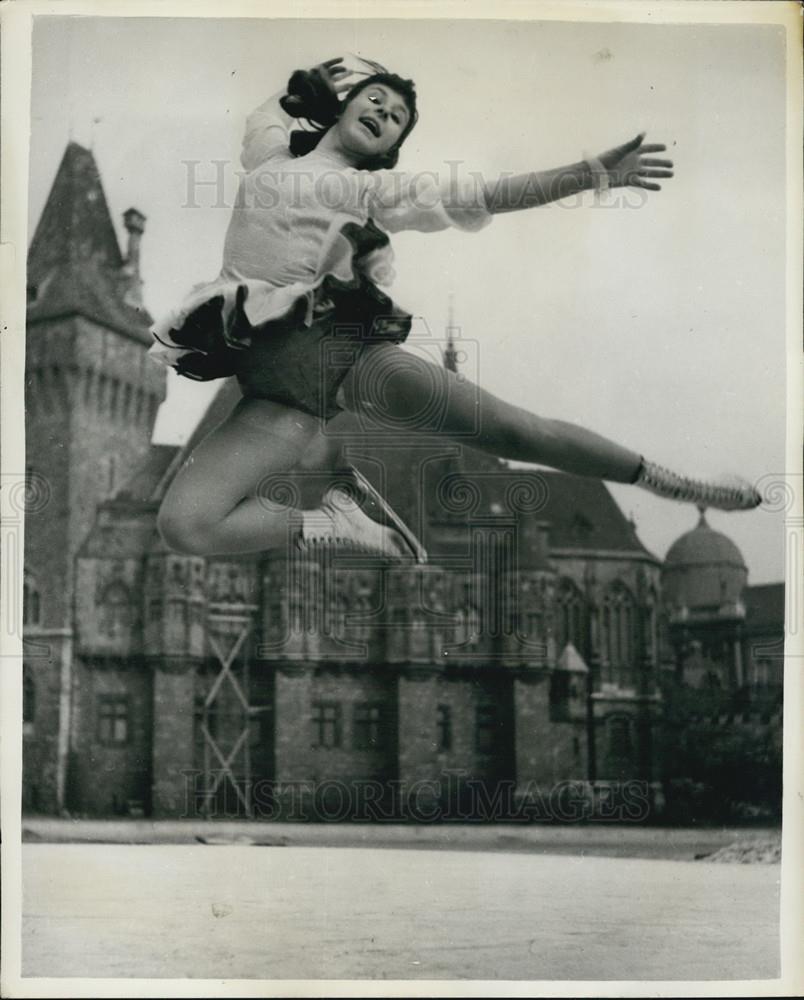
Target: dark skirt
[{"x": 303, "y": 366}]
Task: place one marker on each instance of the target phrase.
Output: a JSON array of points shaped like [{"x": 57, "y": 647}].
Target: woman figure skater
[{"x": 297, "y": 316}]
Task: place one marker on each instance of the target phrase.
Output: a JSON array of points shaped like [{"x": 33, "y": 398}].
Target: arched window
[
  {"x": 571, "y": 617},
  {"x": 621, "y": 746},
  {"x": 28, "y": 697},
  {"x": 127, "y": 393},
  {"x": 114, "y": 395},
  {"x": 114, "y": 620},
  {"x": 31, "y": 602},
  {"x": 618, "y": 636}
]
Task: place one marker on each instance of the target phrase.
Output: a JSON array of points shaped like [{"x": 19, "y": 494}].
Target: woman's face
[{"x": 373, "y": 121}]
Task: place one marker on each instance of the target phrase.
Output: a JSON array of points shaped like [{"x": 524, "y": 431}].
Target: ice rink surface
[{"x": 246, "y": 912}]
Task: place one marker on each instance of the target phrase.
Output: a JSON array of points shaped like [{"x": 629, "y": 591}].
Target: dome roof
[
  {"x": 703, "y": 547},
  {"x": 704, "y": 575}
]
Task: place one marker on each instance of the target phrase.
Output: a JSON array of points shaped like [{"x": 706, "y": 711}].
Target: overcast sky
[{"x": 660, "y": 325}]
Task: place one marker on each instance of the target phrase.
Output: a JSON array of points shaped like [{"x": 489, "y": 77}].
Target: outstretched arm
[{"x": 629, "y": 164}]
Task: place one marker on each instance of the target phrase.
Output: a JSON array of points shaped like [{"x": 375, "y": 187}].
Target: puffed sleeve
[
  {"x": 267, "y": 133},
  {"x": 426, "y": 202}
]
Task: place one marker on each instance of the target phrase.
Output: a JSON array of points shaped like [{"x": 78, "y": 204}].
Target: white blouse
[{"x": 285, "y": 235}]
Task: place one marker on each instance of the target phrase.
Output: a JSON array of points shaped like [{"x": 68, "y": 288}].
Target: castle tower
[{"x": 91, "y": 398}]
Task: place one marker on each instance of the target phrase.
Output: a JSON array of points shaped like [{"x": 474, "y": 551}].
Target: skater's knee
[{"x": 184, "y": 532}]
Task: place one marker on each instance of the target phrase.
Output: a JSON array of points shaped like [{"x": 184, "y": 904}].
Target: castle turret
[{"x": 91, "y": 396}]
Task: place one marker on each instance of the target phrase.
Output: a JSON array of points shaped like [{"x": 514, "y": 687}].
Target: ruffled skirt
[{"x": 300, "y": 355}]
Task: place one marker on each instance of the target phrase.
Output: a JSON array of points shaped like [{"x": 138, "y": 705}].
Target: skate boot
[
  {"x": 342, "y": 523},
  {"x": 374, "y": 504},
  {"x": 665, "y": 483}
]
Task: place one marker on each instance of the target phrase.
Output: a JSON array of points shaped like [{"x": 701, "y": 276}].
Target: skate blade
[{"x": 416, "y": 548}]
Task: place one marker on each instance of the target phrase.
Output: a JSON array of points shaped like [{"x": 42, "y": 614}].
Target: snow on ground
[{"x": 214, "y": 912}]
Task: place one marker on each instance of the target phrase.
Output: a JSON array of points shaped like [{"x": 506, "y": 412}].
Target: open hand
[
  {"x": 629, "y": 165},
  {"x": 331, "y": 71},
  {"x": 315, "y": 94}
]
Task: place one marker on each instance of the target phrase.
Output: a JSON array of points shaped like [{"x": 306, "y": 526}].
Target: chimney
[{"x": 134, "y": 222}]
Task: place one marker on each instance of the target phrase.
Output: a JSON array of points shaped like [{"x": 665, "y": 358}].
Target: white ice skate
[
  {"x": 342, "y": 521},
  {"x": 738, "y": 495}
]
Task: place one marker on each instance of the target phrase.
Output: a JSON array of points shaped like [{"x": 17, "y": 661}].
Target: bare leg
[
  {"x": 213, "y": 505},
  {"x": 392, "y": 388}
]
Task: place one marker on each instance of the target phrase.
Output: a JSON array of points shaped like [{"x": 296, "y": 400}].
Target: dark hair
[{"x": 319, "y": 112}]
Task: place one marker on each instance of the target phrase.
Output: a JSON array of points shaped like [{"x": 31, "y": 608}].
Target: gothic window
[
  {"x": 28, "y": 697},
  {"x": 113, "y": 719},
  {"x": 138, "y": 401},
  {"x": 103, "y": 382},
  {"x": 326, "y": 719},
  {"x": 367, "y": 726},
  {"x": 31, "y": 602},
  {"x": 486, "y": 724},
  {"x": 570, "y": 617},
  {"x": 618, "y": 639},
  {"x": 126, "y": 400},
  {"x": 444, "y": 727},
  {"x": 114, "y": 394},
  {"x": 114, "y": 620}
]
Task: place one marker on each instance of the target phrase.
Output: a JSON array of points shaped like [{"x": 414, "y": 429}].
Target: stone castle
[{"x": 542, "y": 647}]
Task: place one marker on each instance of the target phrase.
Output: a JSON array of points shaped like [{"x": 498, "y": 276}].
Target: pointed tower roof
[
  {"x": 572, "y": 661},
  {"x": 75, "y": 224},
  {"x": 75, "y": 265}
]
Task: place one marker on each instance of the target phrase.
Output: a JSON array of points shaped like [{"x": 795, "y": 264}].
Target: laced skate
[
  {"x": 340, "y": 522},
  {"x": 665, "y": 483}
]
